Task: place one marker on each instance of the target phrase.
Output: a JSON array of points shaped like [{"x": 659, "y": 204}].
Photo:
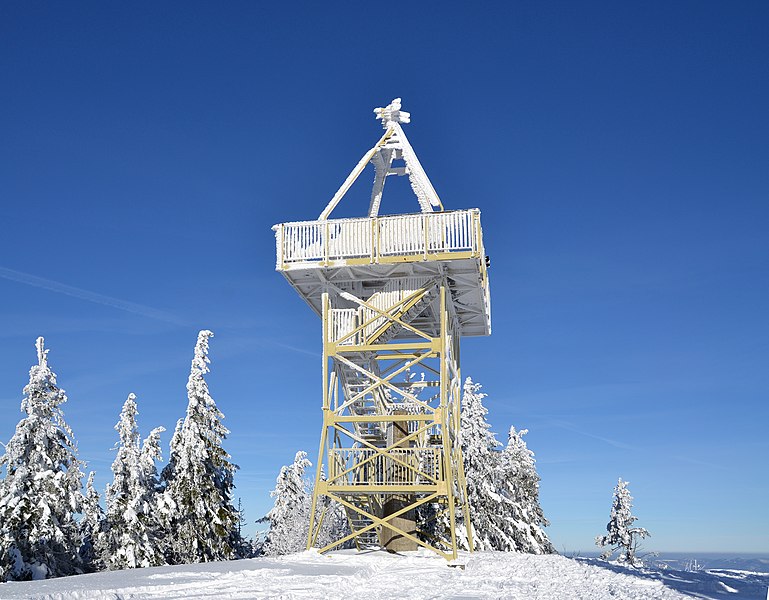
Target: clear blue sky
[{"x": 619, "y": 153}]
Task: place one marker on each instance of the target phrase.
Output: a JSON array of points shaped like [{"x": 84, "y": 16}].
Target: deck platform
[{"x": 360, "y": 256}]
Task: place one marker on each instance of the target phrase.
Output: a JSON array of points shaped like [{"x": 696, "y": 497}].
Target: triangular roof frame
[{"x": 393, "y": 145}]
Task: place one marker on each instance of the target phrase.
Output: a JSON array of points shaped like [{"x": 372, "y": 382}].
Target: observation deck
[{"x": 359, "y": 256}]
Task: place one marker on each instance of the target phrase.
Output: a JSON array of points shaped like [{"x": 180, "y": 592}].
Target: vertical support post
[
  {"x": 461, "y": 480},
  {"x": 374, "y": 240},
  {"x": 325, "y": 242},
  {"x": 446, "y": 424},
  {"x": 311, "y": 534},
  {"x": 326, "y": 328},
  {"x": 458, "y": 456},
  {"x": 280, "y": 243},
  {"x": 392, "y": 541}
]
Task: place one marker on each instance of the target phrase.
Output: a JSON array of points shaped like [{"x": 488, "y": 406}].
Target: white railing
[
  {"x": 363, "y": 466},
  {"x": 373, "y": 238},
  {"x": 343, "y": 322},
  {"x": 347, "y": 238}
]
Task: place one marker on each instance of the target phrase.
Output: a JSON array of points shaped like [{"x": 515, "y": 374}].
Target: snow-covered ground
[
  {"x": 377, "y": 575},
  {"x": 734, "y": 584}
]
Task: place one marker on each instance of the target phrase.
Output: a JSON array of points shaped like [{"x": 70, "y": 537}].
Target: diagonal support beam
[
  {"x": 384, "y": 522},
  {"x": 354, "y": 174},
  {"x": 380, "y": 381}
]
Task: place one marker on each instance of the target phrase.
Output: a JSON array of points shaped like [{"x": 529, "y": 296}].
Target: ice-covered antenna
[
  {"x": 392, "y": 113},
  {"x": 393, "y": 145}
]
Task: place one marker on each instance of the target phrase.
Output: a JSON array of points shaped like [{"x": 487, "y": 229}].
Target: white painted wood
[{"x": 398, "y": 235}]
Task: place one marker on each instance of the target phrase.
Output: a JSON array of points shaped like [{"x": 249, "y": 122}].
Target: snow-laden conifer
[
  {"x": 149, "y": 455},
  {"x": 41, "y": 491},
  {"x": 502, "y": 487},
  {"x": 621, "y": 536},
  {"x": 92, "y": 528},
  {"x": 248, "y": 547},
  {"x": 203, "y": 522},
  {"x": 133, "y": 533},
  {"x": 289, "y": 517},
  {"x": 482, "y": 472},
  {"x": 520, "y": 482}
]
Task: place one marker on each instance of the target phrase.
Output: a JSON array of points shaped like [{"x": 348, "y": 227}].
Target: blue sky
[{"x": 618, "y": 153}]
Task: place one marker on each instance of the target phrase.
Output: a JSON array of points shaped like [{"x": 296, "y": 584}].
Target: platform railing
[
  {"x": 373, "y": 239},
  {"x": 362, "y": 466}
]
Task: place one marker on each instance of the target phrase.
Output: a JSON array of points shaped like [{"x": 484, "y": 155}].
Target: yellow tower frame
[{"x": 410, "y": 467}]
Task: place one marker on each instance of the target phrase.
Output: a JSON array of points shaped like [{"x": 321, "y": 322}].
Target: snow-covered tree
[
  {"x": 149, "y": 455},
  {"x": 41, "y": 490},
  {"x": 289, "y": 517},
  {"x": 502, "y": 487},
  {"x": 199, "y": 477},
  {"x": 621, "y": 536},
  {"x": 482, "y": 472},
  {"x": 520, "y": 484},
  {"x": 92, "y": 528},
  {"x": 248, "y": 547},
  {"x": 132, "y": 537}
]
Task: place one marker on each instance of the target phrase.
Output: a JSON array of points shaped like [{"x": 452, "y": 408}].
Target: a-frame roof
[{"x": 392, "y": 146}]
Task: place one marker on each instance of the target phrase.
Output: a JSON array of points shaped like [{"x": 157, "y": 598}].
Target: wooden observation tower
[{"x": 395, "y": 295}]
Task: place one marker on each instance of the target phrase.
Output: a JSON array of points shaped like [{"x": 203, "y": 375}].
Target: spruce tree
[
  {"x": 481, "y": 461},
  {"x": 521, "y": 485},
  {"x": 41, "y": 490},
  {"x": 247, "y": 547},
  {"x": 289, "y": 517},
  {"x": 202, "y": 520},
  {"x": 132, "y": 537},
  {"x": 622, "y": 536},
  {"x": 92, "y": 528},
  {"x": 502, "y": 487}
]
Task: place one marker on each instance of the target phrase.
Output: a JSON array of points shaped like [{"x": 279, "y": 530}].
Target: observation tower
[{"x": 395, "y": 294}]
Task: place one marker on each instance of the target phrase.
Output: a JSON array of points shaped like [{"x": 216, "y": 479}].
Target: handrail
[
  {"x": 371, "y": 239},
  {"x": 360, "y": 466}
]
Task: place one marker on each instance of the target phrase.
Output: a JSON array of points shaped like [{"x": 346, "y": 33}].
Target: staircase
[
  {"x": 399, "y": 299},
  {"x": 367, "y": 539},
  {"x": 396, "y": 293}
]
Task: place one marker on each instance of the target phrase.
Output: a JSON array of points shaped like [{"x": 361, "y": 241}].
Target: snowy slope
[{"x": 349, "y": 575}]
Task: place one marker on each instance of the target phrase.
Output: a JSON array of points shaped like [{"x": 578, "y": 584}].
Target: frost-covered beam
[{"x": 393, "y": 145}]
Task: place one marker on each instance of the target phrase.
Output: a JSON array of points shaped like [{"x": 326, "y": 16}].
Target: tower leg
[{"x": 314, "y": 529}]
